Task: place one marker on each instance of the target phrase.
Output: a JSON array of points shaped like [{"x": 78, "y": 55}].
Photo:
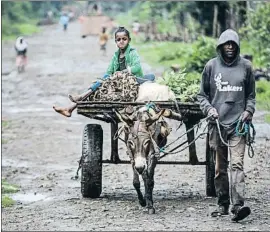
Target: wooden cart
[{"x": 92, "y": 145}]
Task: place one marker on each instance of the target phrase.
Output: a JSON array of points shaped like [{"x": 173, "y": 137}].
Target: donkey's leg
[
  {"x": 137, "y": 185},
  {"x": 148, "y": 178}
]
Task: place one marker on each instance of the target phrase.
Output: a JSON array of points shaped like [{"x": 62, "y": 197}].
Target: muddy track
[{"x": 40, "y": 150}]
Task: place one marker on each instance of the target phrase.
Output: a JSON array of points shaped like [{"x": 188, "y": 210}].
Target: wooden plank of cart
[{"x": 92, "y": 146}]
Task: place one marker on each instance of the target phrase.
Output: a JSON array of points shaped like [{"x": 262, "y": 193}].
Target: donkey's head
[{"x": 140, "y": 129}]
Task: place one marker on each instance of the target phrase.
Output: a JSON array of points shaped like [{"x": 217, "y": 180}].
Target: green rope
[
  {"x": 161, "y": 149},
  {"x": 244, "y": 128},
  {"x": 150, "y": 105}
]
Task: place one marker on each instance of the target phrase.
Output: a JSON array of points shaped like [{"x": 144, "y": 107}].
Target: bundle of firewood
[{"x": 120, "y": 86}]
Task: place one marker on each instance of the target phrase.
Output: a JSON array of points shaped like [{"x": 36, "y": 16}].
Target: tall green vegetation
[
  {"x": 250, "y": 19},
  {"x": 15, "y": 17},
  {"x": 188, "y": 19},
  {"x": 263, "y": 95},
  {"x": 20, "y": 17},
  {"x": 257, "y": 31}
]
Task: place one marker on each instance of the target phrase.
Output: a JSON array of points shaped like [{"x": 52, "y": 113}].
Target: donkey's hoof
[
  {"x": 142, "y": 203},
  {"x": 151, "y": 211}
]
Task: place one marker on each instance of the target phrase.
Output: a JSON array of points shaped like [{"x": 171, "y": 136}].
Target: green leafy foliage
[
  {"x": 267, "y": 118},
  {"x": 263, "y": 94},
  {"x": 257, "y": 32},
  {"x": 195, "y": 55},
  {"x": 185, "y": 86},
  {"x": 202, "y": 50},
  {"x": 21, "y": 17}
]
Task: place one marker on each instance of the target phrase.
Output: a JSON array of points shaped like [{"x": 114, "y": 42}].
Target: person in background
[
  {"x": 136, "y": 27},
  {"x": 103, "y": 39},
  {"x": 125, "y": 59},
  {"x": 21, "y": 50},
  {"x": 64, "y": 20}
]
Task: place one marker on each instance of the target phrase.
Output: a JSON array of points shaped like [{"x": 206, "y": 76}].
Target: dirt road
[{"x": 40, "y": 150}]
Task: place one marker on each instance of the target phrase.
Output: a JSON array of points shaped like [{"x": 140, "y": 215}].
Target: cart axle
[{"x": 159, "y": 162}]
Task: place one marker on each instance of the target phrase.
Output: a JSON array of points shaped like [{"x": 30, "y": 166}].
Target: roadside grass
[
  {"x": 263, "y": 95},
  {"x": 7, "y": 201},
  {"x": 267, "y": 118},
  {"x": 7, "y": 189},
  {"x": 5, "y": 123},
  {"x": 164, "y": 53},
  {"x": 12, "y": 31},
  {"x": 4, "y": 141},
  {"x": 168, "y": 53}
]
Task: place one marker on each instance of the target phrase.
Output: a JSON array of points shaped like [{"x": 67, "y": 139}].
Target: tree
[{"x": 257, "y": 31}]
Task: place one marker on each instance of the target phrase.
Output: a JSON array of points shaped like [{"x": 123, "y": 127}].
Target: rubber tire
[
  {"x": 91, "y": 174},
  {"x": 210, "y": 171}
]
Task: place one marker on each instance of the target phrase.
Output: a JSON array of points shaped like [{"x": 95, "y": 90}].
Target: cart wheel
[
  {"x": 210, "y": 171},
  {"x": 91, "y": 179}
]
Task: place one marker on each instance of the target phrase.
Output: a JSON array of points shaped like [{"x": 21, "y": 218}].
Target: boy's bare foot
[
  {"x": 75, "y": 99},
  {"x": 63, "y": 111}
]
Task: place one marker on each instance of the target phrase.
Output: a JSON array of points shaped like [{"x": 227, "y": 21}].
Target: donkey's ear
[
  {"x": 172, "y": 114},
  {"x": 155, "y": 117},
  {"x": 124, "y": 118},
  {"x": 129, "y": 110}
]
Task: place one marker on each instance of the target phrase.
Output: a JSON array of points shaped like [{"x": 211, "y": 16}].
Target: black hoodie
[{"x": 230, "y": 88}]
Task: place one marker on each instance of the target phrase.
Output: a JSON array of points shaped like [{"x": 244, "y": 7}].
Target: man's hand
[
  {"x": 246, "y": 116},
  {"x": 213, "y": 113}
]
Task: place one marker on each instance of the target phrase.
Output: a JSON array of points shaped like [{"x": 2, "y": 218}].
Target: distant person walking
[
  {"x": 136, "y": 27},
  {"x": 21, "y": 50},
  {"x": 103, "y": 39},
  {"x": 64, "y": 19}
]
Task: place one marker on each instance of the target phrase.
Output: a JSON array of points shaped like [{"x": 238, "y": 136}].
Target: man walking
[
  {"x": 64, "y": 19},
  {"x": 227, "y": 93}
]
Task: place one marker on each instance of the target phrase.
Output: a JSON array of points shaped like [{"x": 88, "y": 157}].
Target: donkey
[{"x": 145, "y": 131}]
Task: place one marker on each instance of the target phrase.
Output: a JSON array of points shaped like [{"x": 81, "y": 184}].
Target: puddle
[{"x": 29, "y": 197}]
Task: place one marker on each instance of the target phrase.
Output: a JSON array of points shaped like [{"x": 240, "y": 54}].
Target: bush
[
  {"x": 202, "y": 50},
  {"x": 171, "y": 55},
  {"x": 185, "y": 86},
  {"x": 263, "y": 95},
  {"x": 12, "y": 31}
]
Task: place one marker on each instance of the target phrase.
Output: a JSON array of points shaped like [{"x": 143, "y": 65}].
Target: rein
[{"x": 241, "y": 129}]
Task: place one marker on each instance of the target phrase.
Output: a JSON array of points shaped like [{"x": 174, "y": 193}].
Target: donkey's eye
[
  {"x": 130, "y": 144},
  {"x": 146, "y": 143},
  {"x": 126, "y": 129}
]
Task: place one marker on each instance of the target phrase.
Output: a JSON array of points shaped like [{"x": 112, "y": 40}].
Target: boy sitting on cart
[{"x": 125, "y": 59}]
